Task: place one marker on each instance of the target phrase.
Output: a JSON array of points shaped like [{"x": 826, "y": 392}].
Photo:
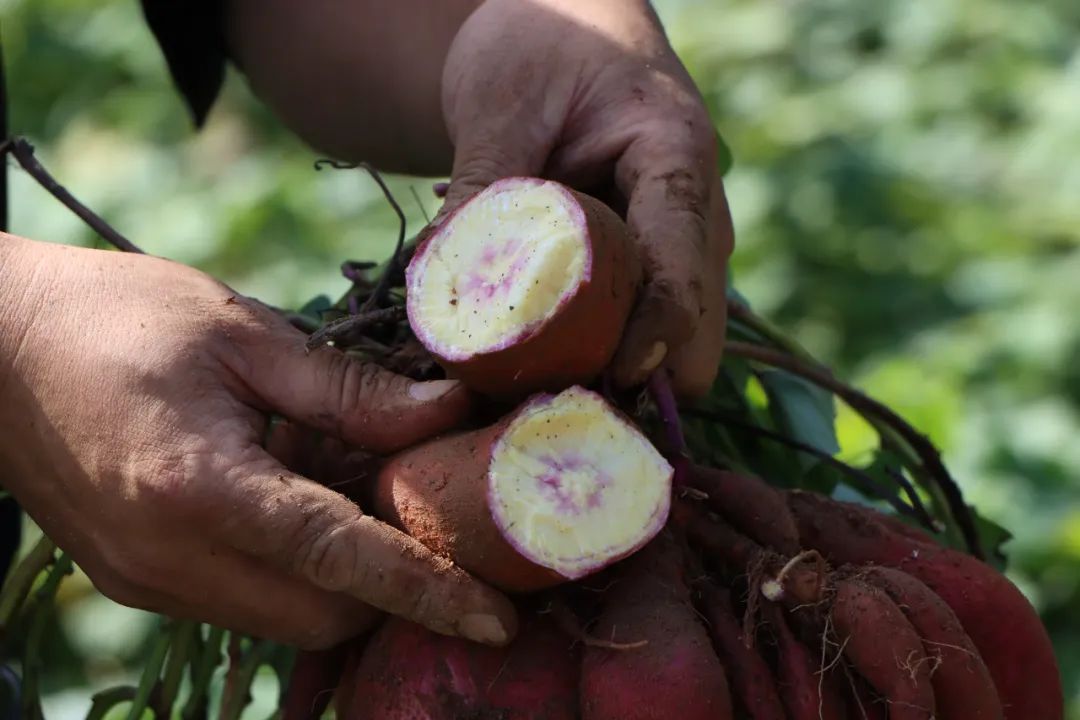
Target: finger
[
  {"x": 218, "y": 585},
  {"x": 297, "y": 525},
  {"x": 321, "y": 457},
  {"x": 667, "y": 176},
  {"x": 489, "y": 146},
  {"x": 696, "y": 364},
  {"x": 359, "y": 403}
]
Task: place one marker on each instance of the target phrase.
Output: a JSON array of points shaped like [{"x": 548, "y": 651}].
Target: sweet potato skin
[
  {"x": 676, "y": 674},
  {"x": 410, "y": 673},
  {"x": 314, "y": 677},
  {"x": 1000, "y": 621},
  {"x": 962, "y": 684},
  {"x": 437, "y": 493},
  {"x": 553, "y": 356},
  {"x": 750, "y": 678},
  {"x": 751, "y": 505},
  {"x": 884, "y": 648},
  {"x": 805, "y": 695}
]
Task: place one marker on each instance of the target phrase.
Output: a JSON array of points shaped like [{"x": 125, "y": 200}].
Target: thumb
[
  {"x": 360, "y": 403},
  {"x": 489, "y": 150}
]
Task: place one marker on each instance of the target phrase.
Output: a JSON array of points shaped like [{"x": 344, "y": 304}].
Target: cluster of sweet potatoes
[
  {"x": 752, "y": 603},
  {"x": 746, "y": 601}
]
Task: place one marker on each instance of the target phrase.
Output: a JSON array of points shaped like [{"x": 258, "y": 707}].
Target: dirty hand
[
  {"x": 590, "y": 93},
  {"x": 134, "y": 397}
]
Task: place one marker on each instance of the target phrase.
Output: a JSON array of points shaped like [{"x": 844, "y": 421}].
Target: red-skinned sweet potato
[
  {"x": 1000, "y": 621},
  {"x": 962, "y": 684},
  {"x": 751, "y": 505},
  {"x": 558, "y": 489},
  {"x": 504, "y": 290},
  {"x": 314, "y": 677},
  {"x": 805, "y": 692},
  {"x": 410, "y": 673},
  {"x": 751, "y": 680},
  {"x": 863, "y": 702},
  {"x": 676, "y": 674},
  {"x": 884, "y": 648}
]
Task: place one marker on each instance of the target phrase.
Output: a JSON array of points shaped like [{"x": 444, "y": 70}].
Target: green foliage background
[{"x": 905, "y": 192}]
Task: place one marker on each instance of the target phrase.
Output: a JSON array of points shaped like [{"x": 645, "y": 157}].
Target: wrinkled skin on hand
[
  {"x": 135, "y": 395},
  {"x": 591, "y": 94}
]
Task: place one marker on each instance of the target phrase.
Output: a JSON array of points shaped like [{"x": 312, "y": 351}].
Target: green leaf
[
  {"x": 316, "y": 306},
  {"x": 734, "y": 294},
  {"x": 993, "y": 537},
  {"x": 724, "y": 157},
  {"x": 802, "y": 411}
]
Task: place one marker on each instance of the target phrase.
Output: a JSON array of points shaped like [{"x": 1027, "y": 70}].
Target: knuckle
[
  {"x": 328, "y": 554},
  {"x": 423, "y": 603}
]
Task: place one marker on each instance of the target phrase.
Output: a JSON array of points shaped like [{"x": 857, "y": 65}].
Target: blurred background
[{"x": 906, "y": 194}]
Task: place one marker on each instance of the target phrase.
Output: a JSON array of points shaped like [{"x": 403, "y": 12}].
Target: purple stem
[
  {"x": 664, "y": 397},
  {"x": 354, "y": 305},
  {"x": 440, "y": 189}
]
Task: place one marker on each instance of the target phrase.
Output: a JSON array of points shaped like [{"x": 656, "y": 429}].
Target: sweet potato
[
  {"x": 790, "y": 581},
  {"x": 751, "y": 505},
  {"x": 750, "y": 677},
  {"x": 962, "y": 684},
  {"x": 676, "y": 674},
  {"x": 884, "y": 648},
  {"x": 410, "y": 673},
  {"x": 1000, "y": 621},
  {"x": 504, "y": 291},
  {"x": 314, "y": 676},
  {"x": 556, "y": 490},
  {"x": 863, "y": 702},
  {"x": 807, "y": 694}
]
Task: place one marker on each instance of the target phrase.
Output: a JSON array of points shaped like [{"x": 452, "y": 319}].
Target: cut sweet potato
[
  {"x": 524, "y": 287},
  {"x": 559, "y": 489}
]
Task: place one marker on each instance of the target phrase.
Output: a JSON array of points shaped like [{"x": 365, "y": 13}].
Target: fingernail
[
  {"x": 483, "y": 628},
  {"x": 428, "y": 391},
  {"x": 655, "y": 357}
]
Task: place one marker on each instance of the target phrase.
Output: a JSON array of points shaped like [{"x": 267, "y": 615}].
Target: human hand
[
  {"x": 134, "y": 395},
  {"x": 589, "y": 93}
]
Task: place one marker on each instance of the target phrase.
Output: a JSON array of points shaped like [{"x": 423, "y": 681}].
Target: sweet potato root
[
  {"x": 314, "y": 677},
  {"x": 558, "y": 489},
  {"x": 884, "y": 648},
  {"x": 962, "y": 684},
  {"x": 409, "y": 673},
  {"x": 676, "y": 674},
  {"x": 1000, "y": 621},
  {"x": 503, "y": 291},
  {"x": 750, "y": 678}
]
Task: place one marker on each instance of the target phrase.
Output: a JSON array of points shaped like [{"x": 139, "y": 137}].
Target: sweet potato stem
[
  {"x": 23, "y": 152},
  {"x": 866, "y": 482},
  {"x": 662, "y": 395},
  {"x": 926, "y": 456},
  {"x": 378, "y": 295}
]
